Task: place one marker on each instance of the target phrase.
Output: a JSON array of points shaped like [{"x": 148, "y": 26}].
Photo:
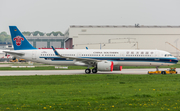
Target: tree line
[{"x": 6, "y": 39}]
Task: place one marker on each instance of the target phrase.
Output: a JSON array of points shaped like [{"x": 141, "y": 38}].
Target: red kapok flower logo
[{"x": 18, "y": 40}]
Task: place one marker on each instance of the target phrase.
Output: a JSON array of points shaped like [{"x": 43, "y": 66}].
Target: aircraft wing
[
  {"x": 84, "y": 60},
  {"x": 14, "y": 53}
]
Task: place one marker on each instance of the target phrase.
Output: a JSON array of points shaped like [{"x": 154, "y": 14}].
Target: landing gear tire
[
  {"x": 87, "y": 71},
  {"x": 94, "y": 70}
]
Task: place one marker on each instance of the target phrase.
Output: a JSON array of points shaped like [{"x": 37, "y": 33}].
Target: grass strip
[{"x": 90, "y": 92}]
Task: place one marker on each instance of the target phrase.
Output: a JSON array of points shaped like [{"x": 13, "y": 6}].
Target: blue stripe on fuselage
[{"x": 127, "y": 59}]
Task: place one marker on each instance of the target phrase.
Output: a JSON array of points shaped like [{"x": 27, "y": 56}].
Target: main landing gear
[
  {"x": 94, "y": 70},
  {"x": 88, "y": 71}
]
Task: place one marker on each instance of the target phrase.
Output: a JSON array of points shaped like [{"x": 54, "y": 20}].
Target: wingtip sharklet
[{"x": 54, "y": 50}]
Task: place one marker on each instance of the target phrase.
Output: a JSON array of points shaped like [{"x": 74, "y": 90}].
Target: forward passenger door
[{"x": 156, "y": 56}]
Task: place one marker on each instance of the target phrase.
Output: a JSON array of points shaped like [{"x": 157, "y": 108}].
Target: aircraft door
[
  {"x": 79, "y": 54},
  {"x": 33, "y": 55},
  {"x": 122, "y": 54},
  {"x": 156, "y": 56}
]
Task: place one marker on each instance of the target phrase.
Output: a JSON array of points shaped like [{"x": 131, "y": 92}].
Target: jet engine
[
  {"x": 105, "y": 66},
  {"x": 108, "y": 66}
]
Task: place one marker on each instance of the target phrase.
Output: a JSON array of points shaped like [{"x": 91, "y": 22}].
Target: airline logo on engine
[{"x": 18, "y": 40}]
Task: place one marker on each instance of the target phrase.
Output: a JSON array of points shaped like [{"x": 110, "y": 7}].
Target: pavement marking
[{"x": 74, "y": 72}]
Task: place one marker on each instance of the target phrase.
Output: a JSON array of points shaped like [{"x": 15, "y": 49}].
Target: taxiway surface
[{"x": 74, "y": 72}]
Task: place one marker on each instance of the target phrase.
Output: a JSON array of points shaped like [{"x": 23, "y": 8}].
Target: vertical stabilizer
[{"x": 18, "y": 40}]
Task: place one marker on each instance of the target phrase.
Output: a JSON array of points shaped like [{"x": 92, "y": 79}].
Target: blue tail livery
[{"x": 18, "y": 40}]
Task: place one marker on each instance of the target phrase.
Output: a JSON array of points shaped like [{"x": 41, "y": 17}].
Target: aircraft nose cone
[{"x": 176, "y": 60}]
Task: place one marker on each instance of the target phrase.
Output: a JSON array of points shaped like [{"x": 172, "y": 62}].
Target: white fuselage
[{"x": 119, "y": 57}]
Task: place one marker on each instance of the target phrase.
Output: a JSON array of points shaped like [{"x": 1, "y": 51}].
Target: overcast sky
[{"x": 58, "y": 15}]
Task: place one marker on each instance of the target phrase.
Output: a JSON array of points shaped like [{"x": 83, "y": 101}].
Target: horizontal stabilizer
[{"x": 14, "y": 53}]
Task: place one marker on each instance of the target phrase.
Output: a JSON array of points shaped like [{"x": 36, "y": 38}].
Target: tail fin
[{"x": 18, "y": 40}]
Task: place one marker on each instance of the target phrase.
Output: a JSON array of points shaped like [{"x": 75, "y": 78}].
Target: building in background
[
  {"x": 111, "y": 37},
  {"x": 124, "y": 37},
  {"x": 46, "y": 41},
  {"x": 6, "y": 46}
]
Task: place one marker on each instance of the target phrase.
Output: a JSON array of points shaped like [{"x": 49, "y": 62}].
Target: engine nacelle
[
  {"x": 108, "y": 66},
  {"x": 105, "y": 66}
]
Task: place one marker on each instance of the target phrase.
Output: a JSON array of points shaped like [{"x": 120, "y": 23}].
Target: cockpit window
[{"x": 168, "y": 55}]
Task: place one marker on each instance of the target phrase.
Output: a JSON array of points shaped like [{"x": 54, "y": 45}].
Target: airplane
[{"x": 99, "y": 59}]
